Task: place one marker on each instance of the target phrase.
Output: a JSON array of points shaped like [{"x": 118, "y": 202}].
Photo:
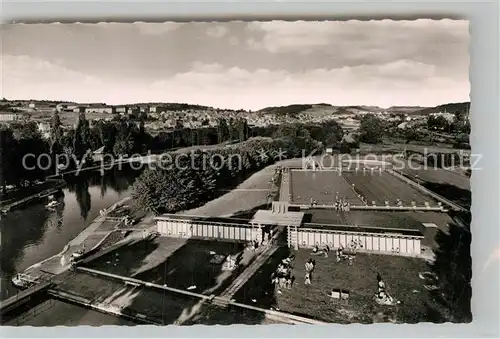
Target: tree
[
  {"x": 371, "y": 129},
  {"x": 56, "y": 134},
  {"x": 453, "y": 268},
  {"x": 410, "y": 134},
  {"x": 222, "y": 131},
  {"x": 148, "y": 190},
  {"x": 105, "y": 133},
  {"x": 8, "y": 146},
  {"x": 124, "y": 143},
  {"x": 29, "y": 141},
  {"x": 82, "y": 137}
]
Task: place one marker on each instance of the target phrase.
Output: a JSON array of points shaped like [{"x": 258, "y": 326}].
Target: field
[
  {"x": 321, "y": 186},
  {"x": 385, "y": 187},
  {"x": 430, "y": 174},
  {"x": 399, "y": 273}
]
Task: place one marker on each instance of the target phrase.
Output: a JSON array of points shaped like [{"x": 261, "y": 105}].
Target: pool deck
[{"x": 90, "y": 238}]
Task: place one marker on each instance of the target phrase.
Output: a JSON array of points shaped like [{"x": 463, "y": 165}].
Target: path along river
[{"x": 35, "y": 233}]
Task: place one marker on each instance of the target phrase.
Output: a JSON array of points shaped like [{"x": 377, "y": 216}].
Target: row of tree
[
  {"x": 460, "y": 124},
  {"x": 16, "y": 142},
  {"x": 188, "y": 181},
  {"x": 119, "y": 137}
]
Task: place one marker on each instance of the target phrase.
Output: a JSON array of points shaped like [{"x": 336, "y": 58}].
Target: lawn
[
  {"x": 399, "y": 273},
  {"x": 451, "y": 185},
  {"x": 435, "y": 175},
  {"x": 385, "y": 187},
  {"x": 321, "y": 186}
]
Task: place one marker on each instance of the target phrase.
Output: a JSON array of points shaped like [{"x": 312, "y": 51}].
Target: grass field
[
  {"x": 321, "y": 186},
  {"x": 385, "y": 187},
  {"x": 399, "y": 273},
  {"x": 436, "y": 175}
]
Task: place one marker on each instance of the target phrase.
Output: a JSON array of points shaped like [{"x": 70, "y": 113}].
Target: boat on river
[
  {"x": 24, "y": 281},
  {"x": 53, "y": 203},
  {"x": 78, "y": 254}
]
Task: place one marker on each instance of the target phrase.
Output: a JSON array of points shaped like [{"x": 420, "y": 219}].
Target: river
[{"x": 33, "y": 233}]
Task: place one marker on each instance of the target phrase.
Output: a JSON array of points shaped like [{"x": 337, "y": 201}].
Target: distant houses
[
  {"x": 100, "y": 108},
  {"x": 9, "y": 117},
  {"x": 66, "y": 107}
]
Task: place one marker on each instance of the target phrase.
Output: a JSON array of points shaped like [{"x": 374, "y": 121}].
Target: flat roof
[
  {"x": 267, "y": 217},
  {"x": 386, "y": 219},
  {"x": 201, "y": 218},
  {"x": 365, "y": 229}
]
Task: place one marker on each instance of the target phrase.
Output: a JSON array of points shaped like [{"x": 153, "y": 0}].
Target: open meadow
[{"x": 401, "y": 275}]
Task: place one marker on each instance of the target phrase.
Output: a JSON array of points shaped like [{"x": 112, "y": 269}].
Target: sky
[{"x": 248, "y": 65}]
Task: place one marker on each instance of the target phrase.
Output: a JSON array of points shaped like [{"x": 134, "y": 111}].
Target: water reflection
[{"x": 35, "y": 232}]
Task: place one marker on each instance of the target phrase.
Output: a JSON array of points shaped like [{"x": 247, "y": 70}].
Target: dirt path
[{"x": 248, "y": 195}]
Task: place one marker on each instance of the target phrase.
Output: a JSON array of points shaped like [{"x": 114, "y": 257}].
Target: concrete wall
[
  {"x": 371, "y": 242},
  {"x": 187, "y": 229}
]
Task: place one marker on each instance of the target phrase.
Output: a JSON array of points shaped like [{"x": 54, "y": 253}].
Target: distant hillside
[
  {"x": 289, "y": 110},
  {"x": 174, "y": 106},
  {"x": 363, "y": 108},
  {"x": 405, "y": 109},
  {"x": 457, "y": 107}
]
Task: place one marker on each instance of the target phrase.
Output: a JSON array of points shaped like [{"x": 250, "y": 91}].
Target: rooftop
[
  {"x": 201, "y": 219},
  {"x": 389, "y": 219},
  {"x": 267, "y": 217},
  {"x": 405, "y": 222}
]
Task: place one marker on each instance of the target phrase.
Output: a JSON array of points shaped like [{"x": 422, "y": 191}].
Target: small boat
[
  {"x": 23, "y": 282},
  {"x": 152, "y": 236},
  {"x": 77, "y": 254},
  {"x": 52, "y": 204}
]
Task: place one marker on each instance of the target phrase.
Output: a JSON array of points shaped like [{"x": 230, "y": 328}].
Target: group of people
[
  {"x": 341, "y": 205},
  {"x": 253, "y": 245},
  {"x": 382, "y": 297},
  {"x": 282, "y": 277},
  {"x": 339, "y": 253},
  {"x": 318, "y": 251}
]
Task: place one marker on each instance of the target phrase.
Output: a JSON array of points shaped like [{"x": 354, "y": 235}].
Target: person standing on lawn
[{"x": 307, "y": 280}]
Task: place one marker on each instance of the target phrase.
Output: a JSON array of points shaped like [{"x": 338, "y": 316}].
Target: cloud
[
  {"x": 217, "y": 32},
  {"x": 403, "y": 82},
  {"x": 306, "y": 37},
  {"x": 234, "y": 41},
  {"x": 157, "y": 28}
]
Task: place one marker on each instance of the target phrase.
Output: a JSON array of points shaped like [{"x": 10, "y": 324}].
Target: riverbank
[
  {"x": 14, "y": 199},
  {"x": 89, "y": 239},
  {"x": 259, "y": 180}
]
